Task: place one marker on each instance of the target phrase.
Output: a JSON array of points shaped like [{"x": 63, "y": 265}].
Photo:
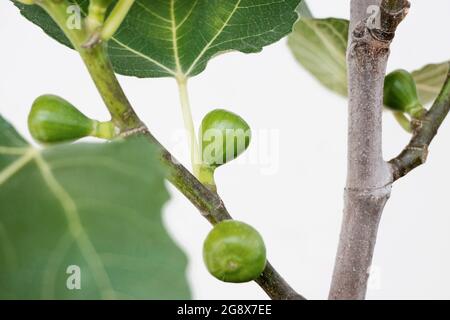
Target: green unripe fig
[
  {"x": 234, "y": 252},
  {"x": 400, "y": 93},
  {"x": 53, "y": 119},
  {"x": 223, "y": 136}
]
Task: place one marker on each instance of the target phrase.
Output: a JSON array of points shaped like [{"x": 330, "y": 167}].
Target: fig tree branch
[
  {"x": 213, "y": 209},
  {"x": 207, "y": 202},
  {"x": 369, "y": 177},
  {"x": 424, "y": 131}
]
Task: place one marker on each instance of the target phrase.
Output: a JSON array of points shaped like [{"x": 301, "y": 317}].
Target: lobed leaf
[
  {"x": 177, "y": 38},
  {"x": 320, "y": 46},
  {"x": 94, "y": 206}
]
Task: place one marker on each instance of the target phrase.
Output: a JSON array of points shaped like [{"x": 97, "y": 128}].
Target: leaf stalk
[
  {"x": 189, "y": 125},
  {"x": 115, "y": 19}
]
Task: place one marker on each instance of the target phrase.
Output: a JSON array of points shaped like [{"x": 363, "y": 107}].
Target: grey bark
[{"x": 369, "y": 177}]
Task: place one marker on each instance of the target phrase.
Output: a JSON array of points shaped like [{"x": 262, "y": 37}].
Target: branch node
[
  {"x": 384, "y": 33},
  {"x": 142, "y": 130},
  {"x": 92, "y": 41}
]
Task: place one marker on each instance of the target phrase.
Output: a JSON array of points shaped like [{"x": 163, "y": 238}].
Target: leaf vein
[
  {"x": 206, "y": 48},
  {"x": 76, "y": 228}
]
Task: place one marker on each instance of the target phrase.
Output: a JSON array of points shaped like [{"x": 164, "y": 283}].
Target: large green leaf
[
  {"x": 178, "y": 37},
  {"x": 320, "y": 46},
  {"x": 95, "y": 206}
]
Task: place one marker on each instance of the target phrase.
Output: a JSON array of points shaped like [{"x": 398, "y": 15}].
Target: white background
[{"x": 298, "y": 209}]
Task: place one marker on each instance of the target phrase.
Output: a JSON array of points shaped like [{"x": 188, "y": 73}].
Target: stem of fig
[
  {"x": 206, "y": 177},
  {"x": 403, "y": 121},
  {"x": 116, "y": 18},
  {"x": 417, "y": 111},
  {"x": 189, "y": 126},
  {"x": 104, "y": 130}
]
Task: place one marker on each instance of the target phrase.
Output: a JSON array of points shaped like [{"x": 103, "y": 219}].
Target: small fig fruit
[
  {"x": 53, "y": 119},
  {"x": 234, "y": 252},
  {"x": 223, "y": 136},
  {"x": 400, "y": 93}
]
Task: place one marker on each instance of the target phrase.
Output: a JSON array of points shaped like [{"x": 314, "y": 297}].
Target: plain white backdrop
[{"x": 298, "y": 207}]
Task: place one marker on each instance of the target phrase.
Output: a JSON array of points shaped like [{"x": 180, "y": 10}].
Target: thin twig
[
  {"x": 425, "y": 129},
  {"x": 213, "y": 209},
  {"x": 207, "y": 202}
]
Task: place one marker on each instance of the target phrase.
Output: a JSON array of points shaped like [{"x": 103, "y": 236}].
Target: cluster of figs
[{"x": 233, "y": 251}]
